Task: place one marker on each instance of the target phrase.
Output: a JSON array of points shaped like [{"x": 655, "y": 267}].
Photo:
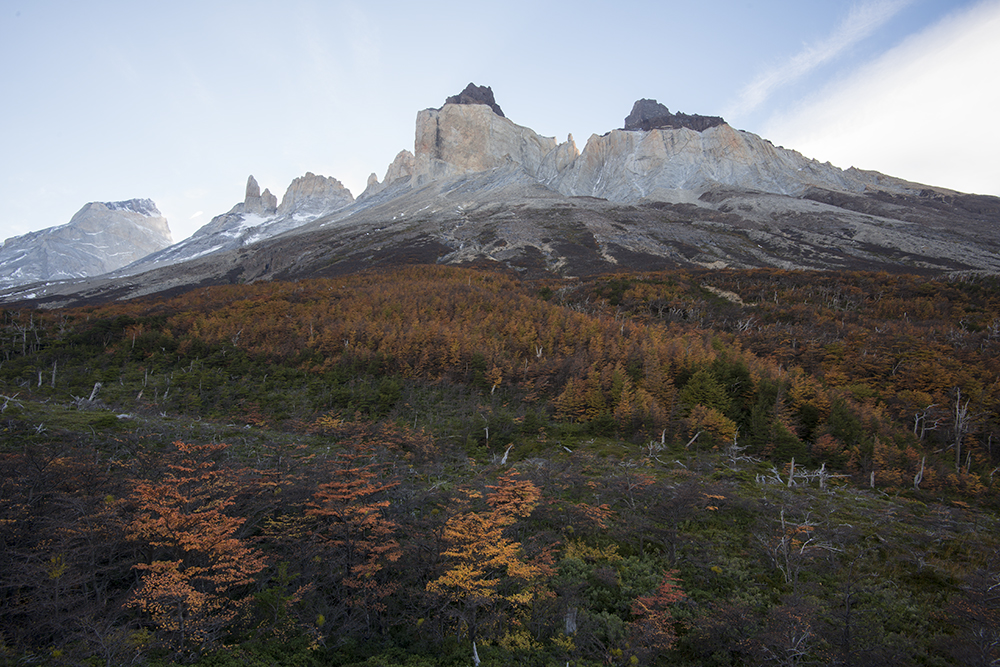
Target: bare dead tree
[
  {"x": 963, "y": 423},
  {"x": 923, "y": 422},
  {"x": 795, "y": 544}
]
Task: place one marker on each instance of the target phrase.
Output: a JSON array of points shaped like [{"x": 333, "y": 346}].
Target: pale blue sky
[{"x": 180, "y": 101}]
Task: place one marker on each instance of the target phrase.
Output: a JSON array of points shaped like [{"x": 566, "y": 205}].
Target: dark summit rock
[
  {"x": 474, "y": 94},
  {"x": 645, "y": 111},
  {"x": 651, "y": 115}
]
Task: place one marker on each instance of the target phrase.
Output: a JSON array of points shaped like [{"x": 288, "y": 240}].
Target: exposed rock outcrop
[
  {"x": 101, "y": 237},
  {"x": 257, "y": 203},
  {"x": 461, "y": 138},
  {"x": 558, "y": 160},
  {"x": 256, "y": 218},
  {"x": 402, "y": 167},
  {"x": 312, "y": 194},
  {"x": 680, "y": 164},
  {"x": 660, "y": 156},
  {"x": 470, "y": 134},
  {"x": 649, "y": 115},
  {"x": 474, "y": 94}
]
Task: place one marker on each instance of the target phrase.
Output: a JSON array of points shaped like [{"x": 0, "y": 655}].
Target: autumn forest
[{"x": 448, "y": 466}]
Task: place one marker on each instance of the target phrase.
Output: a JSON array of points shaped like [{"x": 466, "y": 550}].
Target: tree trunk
[{"x": 961, "y": 427}]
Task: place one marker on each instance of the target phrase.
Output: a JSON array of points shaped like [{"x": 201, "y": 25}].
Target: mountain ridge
[
  {"x": 257, "y": 217},
  {"x": 478, "y": 187}
]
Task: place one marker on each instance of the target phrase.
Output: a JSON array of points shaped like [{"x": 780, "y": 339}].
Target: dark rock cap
[
  {"x": 474, "y": 94},
  {"x": 651, "y": 115}
]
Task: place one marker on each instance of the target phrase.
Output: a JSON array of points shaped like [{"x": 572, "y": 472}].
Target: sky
[{"x": 181, "y": 101}]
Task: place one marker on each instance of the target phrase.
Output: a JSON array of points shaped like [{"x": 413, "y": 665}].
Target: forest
[{"x": 454, "y": 466}]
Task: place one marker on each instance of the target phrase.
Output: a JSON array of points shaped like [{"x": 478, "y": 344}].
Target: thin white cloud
[
  {"x": 860, "y": 22},
  {"x": 196, "y": 214},
  {"x": 924, "y": 111}
]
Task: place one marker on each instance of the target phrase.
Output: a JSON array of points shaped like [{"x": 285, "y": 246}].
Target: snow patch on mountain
[
  {"x": 101, "y": 237},
  {"x": 256, "y": 218}
]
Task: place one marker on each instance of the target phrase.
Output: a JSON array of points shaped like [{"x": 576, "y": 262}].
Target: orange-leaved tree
[
  {"x": 652, "y": 632},
  {"x": 356, "y": 536},
  {"x": 487, "y": 573},
  {"x": 194, "y": 585}
]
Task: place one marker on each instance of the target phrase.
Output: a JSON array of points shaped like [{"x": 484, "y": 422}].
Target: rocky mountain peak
[
  {"x": 101, "y": 237},
  {"x": 253, "y": 190},
  {"x": 256, "y": 218},
  {"x": 649, "y": 115},
  {"x": 474, "y": 94},
  {"x": 315, "y": 193},
  {"x": 257, "y": 202}
]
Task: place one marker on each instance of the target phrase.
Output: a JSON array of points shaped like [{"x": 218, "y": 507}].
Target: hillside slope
[{"x": 690, "y": 467}]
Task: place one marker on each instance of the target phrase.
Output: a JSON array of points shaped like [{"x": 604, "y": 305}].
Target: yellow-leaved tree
[{"x": 487, "y": 576}]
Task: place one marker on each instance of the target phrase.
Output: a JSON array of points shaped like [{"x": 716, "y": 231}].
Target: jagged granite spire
[
  {"x": 253, "y": 190},
  {"x": 257, "y": 202}
]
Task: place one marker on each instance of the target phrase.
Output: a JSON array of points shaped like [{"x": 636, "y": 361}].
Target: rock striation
[{"x": 101, "y": 237}]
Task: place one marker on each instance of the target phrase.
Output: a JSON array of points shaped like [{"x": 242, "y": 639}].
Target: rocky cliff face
[
  {"x": 680, "y": 164},
  {"x": 460, "y": 138},
  {"x": 310, "y": 196},
  {"x": 659, "y": 156},
  {"x": 256, "y": 202},
  {"x": 101, "y": 237},
  {"x": 469, "y": 134}
]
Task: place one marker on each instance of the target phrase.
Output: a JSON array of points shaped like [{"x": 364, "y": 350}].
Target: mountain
[
  {"x": 666, "y": 190},
  {"x": 101, "y": 237},
  {"x": 257, "y": 217}
]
